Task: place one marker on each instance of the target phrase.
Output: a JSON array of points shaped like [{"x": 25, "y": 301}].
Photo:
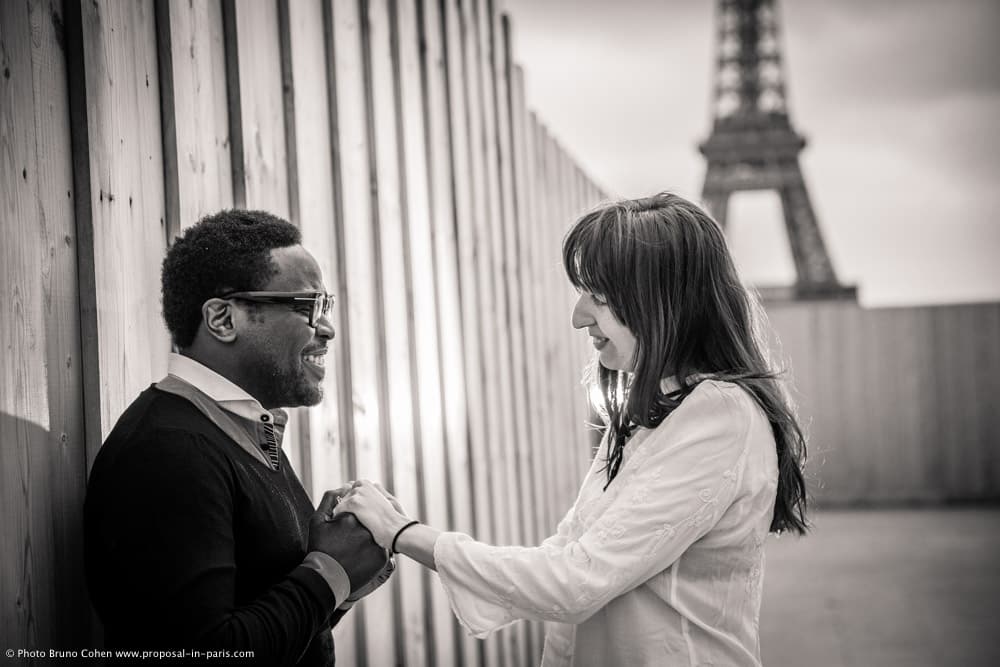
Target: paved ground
[{"x": 886, "y": 588}]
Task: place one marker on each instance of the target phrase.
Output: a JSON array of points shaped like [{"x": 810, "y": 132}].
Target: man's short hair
[{"x": 224, "y": 252}]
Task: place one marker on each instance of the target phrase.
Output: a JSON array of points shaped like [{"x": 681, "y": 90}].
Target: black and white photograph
[{"x": 500, "y": 333}]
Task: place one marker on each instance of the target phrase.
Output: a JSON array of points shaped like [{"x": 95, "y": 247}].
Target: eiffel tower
[{"x": 753, "y": 145}]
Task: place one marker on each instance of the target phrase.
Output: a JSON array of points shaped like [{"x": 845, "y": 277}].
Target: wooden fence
[
  {"x": 395, "y": 134},
  {"x": 901, "y": 403}
]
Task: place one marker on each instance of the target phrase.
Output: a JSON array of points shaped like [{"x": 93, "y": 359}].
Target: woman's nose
[{"x": 581, "y": 314}]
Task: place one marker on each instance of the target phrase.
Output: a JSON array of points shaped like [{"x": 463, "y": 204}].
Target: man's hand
[{"x": 343, "y": 538}]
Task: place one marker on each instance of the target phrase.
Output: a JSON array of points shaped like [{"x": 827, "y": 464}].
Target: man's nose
[
  {"x": 581, "y": 314},
  {"x": 324, "y": 328}
]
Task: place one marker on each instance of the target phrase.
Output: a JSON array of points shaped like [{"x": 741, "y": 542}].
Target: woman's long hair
[{"x": 663, "y": 267}]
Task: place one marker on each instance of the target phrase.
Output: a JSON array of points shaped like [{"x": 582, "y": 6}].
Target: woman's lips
[{"x": 599, "y": 342}]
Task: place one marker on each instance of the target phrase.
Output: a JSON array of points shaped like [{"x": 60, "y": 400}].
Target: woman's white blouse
[{"x": 663, "y": 568}]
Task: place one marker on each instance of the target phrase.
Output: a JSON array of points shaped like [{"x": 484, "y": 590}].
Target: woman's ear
[{"x": 218, "y": 317}]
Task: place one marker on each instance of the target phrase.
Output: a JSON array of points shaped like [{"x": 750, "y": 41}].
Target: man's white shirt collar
[{"x": 230, "y": 397}]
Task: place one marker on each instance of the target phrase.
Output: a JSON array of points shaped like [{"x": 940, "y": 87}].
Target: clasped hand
[{"x": 376, "y": 509}]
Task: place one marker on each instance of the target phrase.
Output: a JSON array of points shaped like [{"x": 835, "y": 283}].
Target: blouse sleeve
[
  {"x": 561, "y": 535},
  {"x": 686, "y": 479}
]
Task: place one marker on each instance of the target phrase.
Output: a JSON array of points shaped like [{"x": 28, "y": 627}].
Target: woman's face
[{"x": 612, "y": 339}]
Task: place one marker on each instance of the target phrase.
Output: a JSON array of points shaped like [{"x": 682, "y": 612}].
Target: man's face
[{"x": 283, "y": 356}]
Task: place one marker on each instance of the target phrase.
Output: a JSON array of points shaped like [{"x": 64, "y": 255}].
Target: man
[{"x": 199, "y": 535}]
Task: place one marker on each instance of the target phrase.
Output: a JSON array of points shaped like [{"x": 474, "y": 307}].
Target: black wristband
[{"x": 399, "y": 532}]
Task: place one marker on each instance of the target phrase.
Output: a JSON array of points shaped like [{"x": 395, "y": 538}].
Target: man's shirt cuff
[{"x": 332, "y": 572}]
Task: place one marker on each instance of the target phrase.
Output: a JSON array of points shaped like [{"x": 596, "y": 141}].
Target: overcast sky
[{"x": 899, "y": 100}]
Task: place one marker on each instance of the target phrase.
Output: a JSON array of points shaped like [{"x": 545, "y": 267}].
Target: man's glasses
[{"x": 320, "y": 303}]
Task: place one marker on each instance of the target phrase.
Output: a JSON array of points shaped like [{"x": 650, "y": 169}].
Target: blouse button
[{"x": 265, "y": 418}]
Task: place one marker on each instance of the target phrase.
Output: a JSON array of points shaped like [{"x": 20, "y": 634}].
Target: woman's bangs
[{"x": 590, "y": 256}]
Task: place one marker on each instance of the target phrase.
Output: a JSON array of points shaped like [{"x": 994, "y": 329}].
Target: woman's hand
[{"x": 370, "y": 504}]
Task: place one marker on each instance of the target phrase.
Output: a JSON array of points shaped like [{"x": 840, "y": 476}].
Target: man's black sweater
[{"x": 191, "y": 543}]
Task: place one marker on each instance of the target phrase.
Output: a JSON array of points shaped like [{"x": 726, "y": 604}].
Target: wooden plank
[
  {"x": 963, "y": 461},
  {"x": 477, "y": 234},
  {"x": 449, "y": 638},
  {"x": 541, "y": 441},
  {"x": 356, "y": 232},
  {"x": 973, "y": 322},
  {"x": 486, "y": 467},
  {"x": 798, "y": 364},
  {"x": 464, "y": 196},
  {"x": 257, "y": 111},
  {"x": 524, "y": 175},
  {"x": 505, "y": 256},
  {"x": 523, "y": 170},
  {"x": 428, "y": 394},
  {"x": 560, "y": 338},
  {"x": 987, "y": 386},
  {"x": 125, "y": 200},
  {"x": 494, "y": 277},
  {"x": 313, "y": 197},
  {"x": 397, "y": 386},
  {"x": 195, "y": 111},
  {"x": 363, "y": 317},
  {"x": 468, "y": 187},
  {"x": 558, "y": 404},
  {"x": 65, "y": 456},
  {"x": 900, "y": 465},
  {"x": 579, "y": 351},
  {"x": 509, "y": 274},
  {"x": 348, "y": 633},
  {"x": 551, "y": 437},
  {"x": 262, "y": 117},
  {"x": 41, "y": 429}
]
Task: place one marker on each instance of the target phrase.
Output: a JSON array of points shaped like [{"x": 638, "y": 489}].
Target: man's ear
[{"x": 217, "y": 315}]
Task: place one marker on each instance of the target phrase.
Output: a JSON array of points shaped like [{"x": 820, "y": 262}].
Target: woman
[{"x": 660, "y": 560}]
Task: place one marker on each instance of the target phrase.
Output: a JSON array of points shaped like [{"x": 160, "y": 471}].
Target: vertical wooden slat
[
  {"x": 258, "y": 115},
  {"x": 505, "y": 253},
  {"x": 469, "y": 187},
  {"x": 314, "y": 212},
  {"x": 262, "y": 119},
  {"x": 547, "y": 433},
  {"x": 541, "y": 442},
  {"x": 524, "y": 175},
  {"x": 41, "y": 429},
  {"x": 424, "y": 280},
  {"x": 397, "y": 383},
  {"x": 355, "y": 229},
  {"x": 349, "y": 630},
  {"x": 438, "y": 64},
  {"x": 484, "y": 206},
  {"x": 473, "y": 226},
  {"x": 560, "y": 336},
  {"x": 464, "y": 195},
  {"x": 198, "y": 175},
  {"x": 557, "y": 403},
  {"x": 125, "y": 200}
]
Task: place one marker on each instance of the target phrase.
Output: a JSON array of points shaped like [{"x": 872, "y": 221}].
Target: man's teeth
[{"x": 316, "y": 359}]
